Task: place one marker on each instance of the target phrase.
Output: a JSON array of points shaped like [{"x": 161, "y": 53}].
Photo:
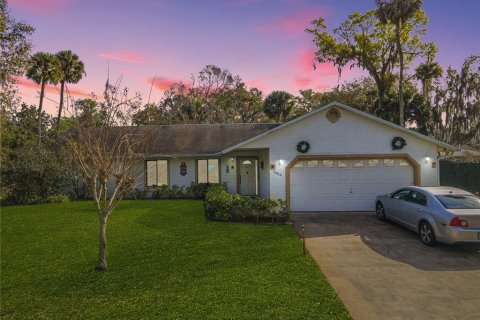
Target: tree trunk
[
  {"x": 400, "y": 79},
  {"x": 102, "y": 243},
  {"x": 60, "y": 107},
  {"x": 40, "y": 106}
]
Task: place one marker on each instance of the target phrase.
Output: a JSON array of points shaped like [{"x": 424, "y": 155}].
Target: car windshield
[{"x": 459, "y": 201}]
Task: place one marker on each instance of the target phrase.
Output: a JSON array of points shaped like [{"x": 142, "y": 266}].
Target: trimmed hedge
[
  {"x": 193, "y": 191},
  {"x": 460, "y": 173},
  {"x": 224, "y": 206}
]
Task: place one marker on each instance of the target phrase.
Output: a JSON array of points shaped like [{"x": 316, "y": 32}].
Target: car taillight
[{"x": 457, "y": 222}]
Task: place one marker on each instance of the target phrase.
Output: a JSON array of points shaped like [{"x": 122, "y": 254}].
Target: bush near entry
[{"x": 224, "y": 206}]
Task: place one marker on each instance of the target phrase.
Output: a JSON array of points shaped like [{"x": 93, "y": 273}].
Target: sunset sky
[{"x": 263, "y": 41}]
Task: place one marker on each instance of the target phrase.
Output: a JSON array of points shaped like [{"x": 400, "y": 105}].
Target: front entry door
[{"x": 247, "y": 176}]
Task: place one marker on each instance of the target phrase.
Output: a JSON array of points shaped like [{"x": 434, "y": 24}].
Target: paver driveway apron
[{"x": 381, "y": 270}]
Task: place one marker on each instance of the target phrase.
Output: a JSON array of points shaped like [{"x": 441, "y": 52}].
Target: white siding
[
  {"x": 230, "y": 177},
  {"x": 351, "y": 134},
  {"x": 176, "y": 178}
]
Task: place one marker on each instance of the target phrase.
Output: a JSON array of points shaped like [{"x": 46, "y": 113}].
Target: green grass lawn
[{"x": 166, "y": 261}]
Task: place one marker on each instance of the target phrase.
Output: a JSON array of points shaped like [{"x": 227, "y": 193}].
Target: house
[{"x": 335, "y": 158}]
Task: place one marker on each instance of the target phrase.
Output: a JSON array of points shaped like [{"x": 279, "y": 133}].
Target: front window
[
  {"x": 208, "y": 170},
  {"x": 459, "y": 201},
  {"x": 157, "y": 173}
]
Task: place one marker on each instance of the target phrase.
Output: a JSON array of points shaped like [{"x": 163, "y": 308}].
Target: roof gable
[{"x": 353, "y": 110}]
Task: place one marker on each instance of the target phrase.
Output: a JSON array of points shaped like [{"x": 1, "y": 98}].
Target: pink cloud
[
  {"x": 262, "y": 83},
  {"x": 306, "y": 59},
  {"x": 51, "y": 7},
  {"x": 322, "y": 87},
  {"x": 295, "y": 23},
  {"x": 131, "y": 57},
  {"x": 164, "y": 83},
  {"x": 25, "y": 83},
  {"x": 302, "y": 81}
]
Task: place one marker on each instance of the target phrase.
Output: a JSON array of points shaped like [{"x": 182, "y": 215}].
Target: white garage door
[{"x": 345, "y": 185}]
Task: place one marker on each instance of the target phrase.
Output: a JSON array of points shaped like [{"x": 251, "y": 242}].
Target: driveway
[{"x": 382, "y": 271}]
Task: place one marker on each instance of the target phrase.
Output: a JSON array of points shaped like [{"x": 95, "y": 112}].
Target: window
[
  {"x": 342, "y": 164},
  {"x": 401, "y": 194},
  {"x": 389, "y": 162},
  {"x": 418, "y": 198},
  {"x": 327, "y": 163},
  {"x": 208, "y": 170},
  {"x": 299, "y": 164},
  {"x": 373, "y": 162},
  {"x": 459, "y": 201},
  {"x": 312, "y": 163},
  {"x": 403, "y": 163},
  {"x": 157, "y": 173},
  {"x": 358, "y": 163}
]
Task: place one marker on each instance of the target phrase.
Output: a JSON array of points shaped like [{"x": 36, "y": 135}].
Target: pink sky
[{"x": 262, "y": 41}]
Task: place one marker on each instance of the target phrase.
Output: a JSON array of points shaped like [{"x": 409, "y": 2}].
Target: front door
[{"x": 247, "y": 176}]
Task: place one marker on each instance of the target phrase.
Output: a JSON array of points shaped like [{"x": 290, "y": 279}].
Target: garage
[{"x": 346, "y": 184}]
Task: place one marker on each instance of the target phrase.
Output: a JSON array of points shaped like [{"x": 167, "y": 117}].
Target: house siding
[
  {"x": 229, "y": 178},
  {"x": 351, "y": 134}
]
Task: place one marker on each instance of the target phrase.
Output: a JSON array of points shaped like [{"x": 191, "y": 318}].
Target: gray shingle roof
[{"x": 199, "y": 139}]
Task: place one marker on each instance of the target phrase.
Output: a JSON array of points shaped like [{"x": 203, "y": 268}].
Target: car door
[
  {"x": 416, "y": 205},
  {"x": 397, "y": 205}
]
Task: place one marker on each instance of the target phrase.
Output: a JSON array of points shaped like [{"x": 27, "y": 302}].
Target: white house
[{"x": 335, "y": 158}]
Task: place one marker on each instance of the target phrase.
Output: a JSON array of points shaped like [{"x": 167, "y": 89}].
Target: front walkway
[{"x": 382, "y": 271}]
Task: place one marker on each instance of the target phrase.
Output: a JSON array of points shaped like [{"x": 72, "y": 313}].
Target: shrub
[
  {"x": 34, "y": 172},
  {"x": 199, "y": 190},
  {"x": 138, "y": 194},
  {"x": 460, "y": 173},
  {"x": 221, "y": 205},
  {"x": 161, "y": 192},
  {"x": 58, "y": 198}
]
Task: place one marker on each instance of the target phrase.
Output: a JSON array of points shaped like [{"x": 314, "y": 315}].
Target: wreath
[
  {"x": 398, "y": 143},
  {"x": 303, "y": 146}
]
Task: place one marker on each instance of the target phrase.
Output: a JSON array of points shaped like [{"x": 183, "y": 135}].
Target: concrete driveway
[{"x": 381, "y": 270}]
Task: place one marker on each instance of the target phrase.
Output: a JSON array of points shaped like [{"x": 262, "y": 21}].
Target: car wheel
[
  {"x": 380, "y": 212},
  {"x": 427, "y": 235}
]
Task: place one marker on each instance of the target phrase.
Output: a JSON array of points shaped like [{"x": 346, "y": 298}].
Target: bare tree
[{"x": 107, "y": 155}]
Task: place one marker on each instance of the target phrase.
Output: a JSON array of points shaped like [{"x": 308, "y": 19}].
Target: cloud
[
  {"x": 25, "y": 83},
  {"x": 322, "y": 87},
  {"x": 130, "y": 57},
  {"x": 305, "y": 60},
  {"x": 163, "y": 83},
  {"x": 262, "y": 83},
  {"x": 50, "y": 7},
  {"x": 295, "y": 23},
  {"x": 302, "y": 81}
]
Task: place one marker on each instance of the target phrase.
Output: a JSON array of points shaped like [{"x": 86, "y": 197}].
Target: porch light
[{"x": 280, "y": 163}]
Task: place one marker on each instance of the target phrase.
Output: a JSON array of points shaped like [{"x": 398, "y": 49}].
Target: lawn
[{"x": 165, "y": 262}]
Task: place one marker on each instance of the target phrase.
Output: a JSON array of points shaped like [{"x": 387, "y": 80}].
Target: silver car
[{"x": 437, "y": 214}]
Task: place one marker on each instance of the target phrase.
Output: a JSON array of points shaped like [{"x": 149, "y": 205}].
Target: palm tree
[
  {"x": 426, "y": 73},
  {"x": 398, "y": 12},
  {"x": 44, "y": 68},
  {"x": 72, "y": 71},
  {"x": 278, "y": 104}
]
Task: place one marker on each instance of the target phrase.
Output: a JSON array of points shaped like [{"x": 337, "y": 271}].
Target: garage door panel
[{"x": 345, "y": 189}]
